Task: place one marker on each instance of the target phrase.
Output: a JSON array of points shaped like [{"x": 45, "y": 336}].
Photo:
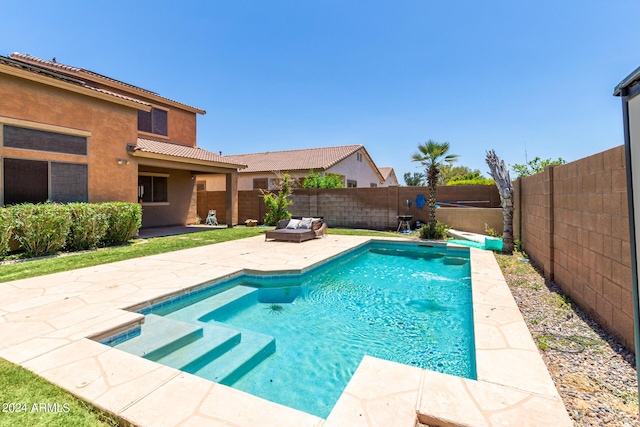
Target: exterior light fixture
[{"x": 123, "y": 161}]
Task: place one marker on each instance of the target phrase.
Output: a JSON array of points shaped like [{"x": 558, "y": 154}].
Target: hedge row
[{"x": 42, "y": 229}]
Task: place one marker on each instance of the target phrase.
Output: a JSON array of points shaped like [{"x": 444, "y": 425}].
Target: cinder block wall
[
  {"x": 573, "y": 222},
  {"x": 534, "y": 222},
  {"x": 372, "y": 208}
]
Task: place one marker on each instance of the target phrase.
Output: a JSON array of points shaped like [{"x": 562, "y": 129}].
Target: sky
[{"x": 526, "y": 79}]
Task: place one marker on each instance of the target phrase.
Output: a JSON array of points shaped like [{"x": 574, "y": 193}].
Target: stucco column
[{"x": 232, "y": 198}]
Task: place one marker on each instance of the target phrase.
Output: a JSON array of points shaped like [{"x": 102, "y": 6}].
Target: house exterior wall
[
  {"x": 181, "y": 126},
  {"x": 112, "y": 126},
  {"x": 360, "y": 171},
  {"x": 180, "y": 208},
  {"x": 390, "y": 181}
]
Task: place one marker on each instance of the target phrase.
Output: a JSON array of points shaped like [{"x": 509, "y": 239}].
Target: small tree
[
  {"x": 500, "y": 175},
  {"x": 449, "y": 172},
  {"x": 414, "y": 180},
  {"x": 535, "y": 166},
  {"x": 277, "y": 204},
  {"x": 318, "y": 180}
]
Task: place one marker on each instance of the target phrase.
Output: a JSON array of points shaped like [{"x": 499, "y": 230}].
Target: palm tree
[
  {"x": 431, "y": 154},
  {"x": 500, "y": 175}
]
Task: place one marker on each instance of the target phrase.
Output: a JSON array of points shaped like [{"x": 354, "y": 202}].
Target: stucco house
[
  {"x": 69, "y": 134},
  {"x": 389, "y": 175},
  {"x": 351, "y": 162}
]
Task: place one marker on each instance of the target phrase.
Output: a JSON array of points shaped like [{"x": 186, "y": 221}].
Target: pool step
[
  {"x": 233, "y": 364},
  {"x": 231, "y": 299},
  {"x": 215, "y": 341},
  {"x": 160, "y": 336}
]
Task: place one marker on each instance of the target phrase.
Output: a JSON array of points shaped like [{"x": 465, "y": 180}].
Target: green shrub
[
  {"x": 123, "y": 219},
  {"x": 491, "y": 231},
  {"x": 475, "y": 181},
  {"x": 277, "y": 204},
  {"x": 40, "y": 229},
  {"x": 317, "y": 180},
  {"x": 439, "y": 231},
  {"x": 5, "y": 231},
  {"x": 89, "y": 225}
]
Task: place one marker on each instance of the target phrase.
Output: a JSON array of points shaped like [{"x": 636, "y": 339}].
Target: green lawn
[
  {"x": 28, "y": 400},
  {"x": 20, "y": 389},
  {"x": 138, "y": 248}
]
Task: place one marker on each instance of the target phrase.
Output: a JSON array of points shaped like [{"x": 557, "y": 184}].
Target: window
[
  {"x": 352, "y": 184},
  {"x": 201, "y": 185},
  {"x": 373, "y": 185},
  {"x": 69, "y": 182},
  {"x": 359, "y": 156},
  {"x": 260, "y": 184},
  {"x": 153, "y": 189},
  {"x": 154, "y": 121},
  {"x": 36, "y": 181},
  {"x": 40, "y": 140}
]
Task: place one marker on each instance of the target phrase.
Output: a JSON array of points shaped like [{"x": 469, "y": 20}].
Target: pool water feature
[{"x": 297, "y": 339}]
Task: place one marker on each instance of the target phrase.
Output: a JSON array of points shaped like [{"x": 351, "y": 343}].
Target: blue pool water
[{"x": 398, "y": 302}]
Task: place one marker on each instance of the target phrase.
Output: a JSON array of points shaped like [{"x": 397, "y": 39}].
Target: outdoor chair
[
  {"x": 298, "y": 229},
  {"x": 211, "y": 218}
]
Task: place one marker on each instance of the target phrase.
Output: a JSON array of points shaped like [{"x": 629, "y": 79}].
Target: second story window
[{"x": 154, "y": 121}]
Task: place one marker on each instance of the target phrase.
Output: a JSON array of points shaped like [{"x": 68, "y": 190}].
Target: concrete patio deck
[{"x": 50, "y": 325}]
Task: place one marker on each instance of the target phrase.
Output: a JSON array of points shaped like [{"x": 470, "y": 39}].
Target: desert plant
[
  {"x": 437, "y": 231},
  {"x": 277, "y": 204},
  {"x": 490, "y": 231},
  {"x": 5, "y": 230},
  {"x": 431, "y": 154},
  {"x": 40, "y": 229},
  {"x": 88, "y": 226},
  {"x": 124, "y": 220},
  {"x": 500, "y": 175}
]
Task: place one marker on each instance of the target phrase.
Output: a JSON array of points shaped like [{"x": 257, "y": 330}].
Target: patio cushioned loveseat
[{"x": 298, "y": 229}]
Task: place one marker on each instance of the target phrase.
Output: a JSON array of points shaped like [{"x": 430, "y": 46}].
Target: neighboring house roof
[
  {"x": 289, "y": 160},
  {"x": 387, "y": 172},
  {"x": 176, "y": 150},
  {"x": 62, "y": 77},
  {"x": 86, "y": 76}
]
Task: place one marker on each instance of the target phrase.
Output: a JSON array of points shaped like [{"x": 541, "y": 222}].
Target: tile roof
[
  {"x": 304, "y": 159},
  {"x": 385, "y": 171},
  {"x": 60, "y": 73},
  {"x": 184, "y": 151},
  {"x": 91, "y": 75}
]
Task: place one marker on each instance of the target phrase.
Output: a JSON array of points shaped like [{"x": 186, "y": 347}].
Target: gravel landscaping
[{"x": 594, "y": 373}]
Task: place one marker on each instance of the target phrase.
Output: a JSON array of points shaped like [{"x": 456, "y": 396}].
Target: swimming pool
[{"x": 296, "y": 339}]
